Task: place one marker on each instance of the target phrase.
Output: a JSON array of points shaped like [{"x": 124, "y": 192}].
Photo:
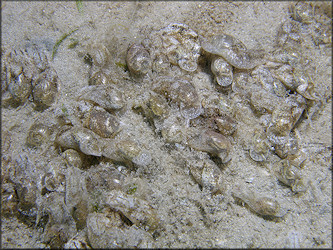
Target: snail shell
[
  {"x": 260, "y": 204},
  {"x": 302, "y": 12},
  {"x": 181, "y": 46},
  {"x": 138, "y": 60},
  {"x": 222, "y": 71},
  {"x": 38, "y": 133},
  {"x": 20, "y": 88},
  {"x": 231, "y": 49},
  {"x": 208, "y": 175},
  {"x": 226, "y": 124},
  {"x": 212, "y": 142},
  {"x": 290, "y": 175},
  {"x": 102, "y": 123},
  {"x": 46, "y": 88},
  {"x": 179, "y": 91},
  {"x": 106, "y": 96},
  {"x": 136, "y": 210},
  {"x": 81, "y": 139},
  {"x": 99, "y": 54},
  {"x": 99, "y": 78},
  {"x": 73, "y": 158}
]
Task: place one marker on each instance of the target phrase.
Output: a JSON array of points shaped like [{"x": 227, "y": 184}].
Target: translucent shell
[
  {"x": 263, "y": 101},
  {"x": 212, "y": 142},
  {"x": 78, "y": 241},
  {"x": 181, "y": 92},
  {"x": 45, "y": 88},
  {"x": 260, "y": 204},
  {"x": 102, "y": 123},
  {"x": 266, "y": 206},
  {"x": 290, "y": 175},
  {"x": 38, "y": 133},
  {"x": 178, "y": 90},
  {"x": 259, "y": 147},
  {"x": 81, "y": 139},
  {"x": 99, "y": 78},
  {"x": 208, "y": 175},
  {"x": 181, "y": 46},
  {"x": 128, "y": 148},
  {"x": 302, "y": 12},
  {"x": 138, "y": 211},
  {"x": 105, "y": 96},
  {"x": 72, "y": 158},
  {"x": 20, "y": 88},
  {"x": 9, "y": 199},
  {"x": 138, "y": 60},
  {"x": 99, "y": 54},
  {"x": 134, "y": 152},
  {"x": 126, "y": 151},
  {"x": 55, "y": 181},
  {"x": 100, "y": 224},
  {"x": 289, "y": 32},
  {"x": 284, "y": 145},
  {"x": 161, "y": 63},
  {"x": 268, "y": 82},
  {"x": 158, "y": 106},
  {"x": 231, "y": 49},
  {"x": 27, "y": 194},
  {"x": 305, "y": 85},
  {"x": 226, "y": 124},
  {"x": 241, "y": 82},
  {"x": 107, "y": 230},
  {"x": 222, "y": 71},
  {"x": 173, "y": 130},
  {"x": 282, "y": 121}
]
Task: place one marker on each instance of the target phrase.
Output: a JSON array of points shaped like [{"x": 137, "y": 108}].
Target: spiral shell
[
  {"x": 172, "y": 130},
  {"x": 158, "y": 106},
  {"x": 302, "y": 12},
  {"x": 55, "y": 182},
  {"x": 231, "y": 49},
  {"x": 20, "y": 88},
  {"x": 73, "y": 158},
  {"x": 212, "y": 142},
  {"x": 99, "y": 54},
  {"x": 81, "y": 139},
  {"x": 38, "y": 133},
  {"x": 289, "y": 32},
  {"x": 138, "y": 60},
  {"x": 126, "y": 150},
  {"x": 260, "y": 204},
  {"x": 102, "y": 123},
  {"x": 181, "y": 46},
  {"x": 226, "y": 124},
  {"x": 45, "y": 88},
  {"x": 284, "y": 145},
  {"x": 107, "y": 230},
  {"x": 108, "y": 97},
  {"x": 222, "y": 71},
  {"x": 208, "y": 175},
  {"x": 290, "y": 175},
  {"x": 181, "y": 92},
  {"x": 99, "y": 78},
  {"x": 259, "y": 147},
  {"x": 136, "y": 210}
]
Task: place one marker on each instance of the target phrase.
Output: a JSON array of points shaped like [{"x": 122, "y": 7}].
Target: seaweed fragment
[
  {"x": 79, "y": 5},
  {"x": 57, "y": 44}
]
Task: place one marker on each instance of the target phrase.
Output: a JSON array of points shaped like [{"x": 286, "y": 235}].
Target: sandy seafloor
[{"x": 222, "y": 223}]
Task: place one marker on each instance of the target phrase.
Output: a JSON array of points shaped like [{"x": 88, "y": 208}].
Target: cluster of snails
[
  {"x": 27, "y": 75},
  {"x": 87, "y": 185}
]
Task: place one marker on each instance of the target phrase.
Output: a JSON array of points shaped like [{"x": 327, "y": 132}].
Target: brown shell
[
  {"x": 102, "y": 122},
  {"x": 138, "y": 60}
]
